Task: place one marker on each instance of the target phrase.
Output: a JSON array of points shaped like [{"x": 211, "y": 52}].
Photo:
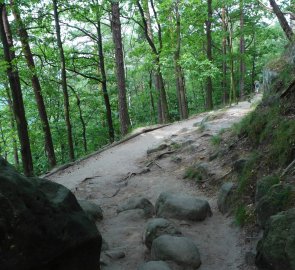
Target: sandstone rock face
[
  {"x": 225, "y": 197},
  {"x": 276, "y": 250},
  {"x": 157, "y": 227},
  {"x": 138, "y": 203},
  {"x": 42, "y": 226},
  {"x": 154, "y": 265},
  {"x": 180, "y": 206},
  {"x": 180, "y": 250}
]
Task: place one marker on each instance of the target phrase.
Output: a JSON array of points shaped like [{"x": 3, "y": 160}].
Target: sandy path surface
[{"x": 106, "y": 179}]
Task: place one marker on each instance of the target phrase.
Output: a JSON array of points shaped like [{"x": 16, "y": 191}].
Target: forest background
[{"x": 77, "y": 75}]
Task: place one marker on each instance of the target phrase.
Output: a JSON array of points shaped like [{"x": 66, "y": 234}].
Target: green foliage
[
  {"x": 196, "y": 172},
  {"x": 216, "y": 140},
  {"x": 247, "y": 177}
]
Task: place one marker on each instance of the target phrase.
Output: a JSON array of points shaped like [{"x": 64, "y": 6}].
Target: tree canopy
[{"x": 77, "y": 75}]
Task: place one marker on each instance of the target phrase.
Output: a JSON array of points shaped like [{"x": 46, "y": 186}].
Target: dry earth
[{"x": 125, "y": 170}]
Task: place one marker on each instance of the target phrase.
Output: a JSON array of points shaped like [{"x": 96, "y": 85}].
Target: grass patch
[
  {"x": 196, "y": 172},
  {"x": 216, "y": 140}
]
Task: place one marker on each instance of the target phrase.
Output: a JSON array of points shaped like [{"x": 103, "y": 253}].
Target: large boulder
[
  {"x": 43, "y": 227},
  {"x": 180, "y": 250},
  {"x": 154, "y": 265},
  {"x": 157, "y": 227},
  {"x": 225, "y": 197},
  {"x": 180, "y": 206},
  {"x": 138, "y": 203},
  {"x": 276, "y": 250},
  {"x": 275, "y": 201}
]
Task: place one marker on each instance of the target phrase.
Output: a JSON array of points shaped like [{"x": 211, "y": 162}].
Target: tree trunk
[
  {"x": 163, "y": 112},
  {"x": 232, "y": 96},
  {"x": 253, "y": 72},
  {"x": 117, "y": 38},
  {"x": 17, "y": 99},
  {"x": 180, "y": 82},
  {"x": 209, "y": 89},
  {"x": 224, "y": 55},
  {"x": 104, "y": 82},
  {"x": 242, "y": 51},
  {"x": 24, "y": 38},
  {"x": 282, "y": 20},
  {"x": 12, "y": 125},
  {"x": 64, "y": 82},
  {"x": 81, "y": 118}
]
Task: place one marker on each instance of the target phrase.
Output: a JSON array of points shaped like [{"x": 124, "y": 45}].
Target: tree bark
[
  {"x": 242, "y": 51},
  {"x": 104, "y": 82},
  {"x": 12, "y": 125},
  {"x": 16, "y": 93},
  {"x": 180, "y": 81},
  {"x": 78, "y": 101},
  {"x": 117, "y": 38},
  {"x": 282, "y": 20},
  {"x": 209, "y": 89},
  {"x": 24, "y": 38},
  {"x": 224, "y": 55},
  {"x": 163, "y": 111},
  {"x": 64, "y": 82}
]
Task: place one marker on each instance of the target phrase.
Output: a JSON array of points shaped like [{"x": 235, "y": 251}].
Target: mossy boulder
[
  {"x": 277, "y": 199},
  {"x": 263, "y": 186},
  {"x": 42, "y": 226},
  {"x": 226, "y": 197},
  {"x": 276, "y": 250}
]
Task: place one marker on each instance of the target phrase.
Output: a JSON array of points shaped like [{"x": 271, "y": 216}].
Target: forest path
[{"x": 118, "y": 173}]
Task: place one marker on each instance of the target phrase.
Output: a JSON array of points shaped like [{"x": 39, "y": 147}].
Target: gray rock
[
  {"x": 157, "y": 227},
  {"x": 276, "y": 200},
  {"x": 276, "y": 250},
  {"x": 115, "y": 254},
  {"x": 92, "y": 210},
  {"x": 158, "y": 148},
  {"x": 225, "y": 197},
  {"x": 180, "y": 206},
  {"x": 42, "y": 226},
  {"x": 154, "y": 265},
  {"x": 138, "y": 203},
  {"x": 180, "y": 250},
  {"x": 133, "y": 215}
]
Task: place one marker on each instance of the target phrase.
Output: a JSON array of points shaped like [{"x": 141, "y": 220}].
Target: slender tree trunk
[
  {"x": 104, "y": 83},
  {"x": 81, "y": 118},
  {"x": 64, "y": 82},
  {"x": 24, "y": 38},
  {"x": 242, "y": 51},
  {"x": 116, "y": 29},
  {"x": 282, "y": 20},
  {"x": 12, "y": 125},
  {"x": 153, "y": 111},
  {"x": 15, "y": 86},
  {"x": 209, "y": 89},
  {"x": 253, "y": 73},
  {"x": 163, "y": 112},
  {"x": 180, "y": 82},
  {"x": 224, "y": 55},
  {"x": 232, "y": 96},
  {"x": 4, "y": 142}
]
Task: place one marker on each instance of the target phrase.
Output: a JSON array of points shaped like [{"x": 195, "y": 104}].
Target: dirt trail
[{"x": 107, "y": 179}]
